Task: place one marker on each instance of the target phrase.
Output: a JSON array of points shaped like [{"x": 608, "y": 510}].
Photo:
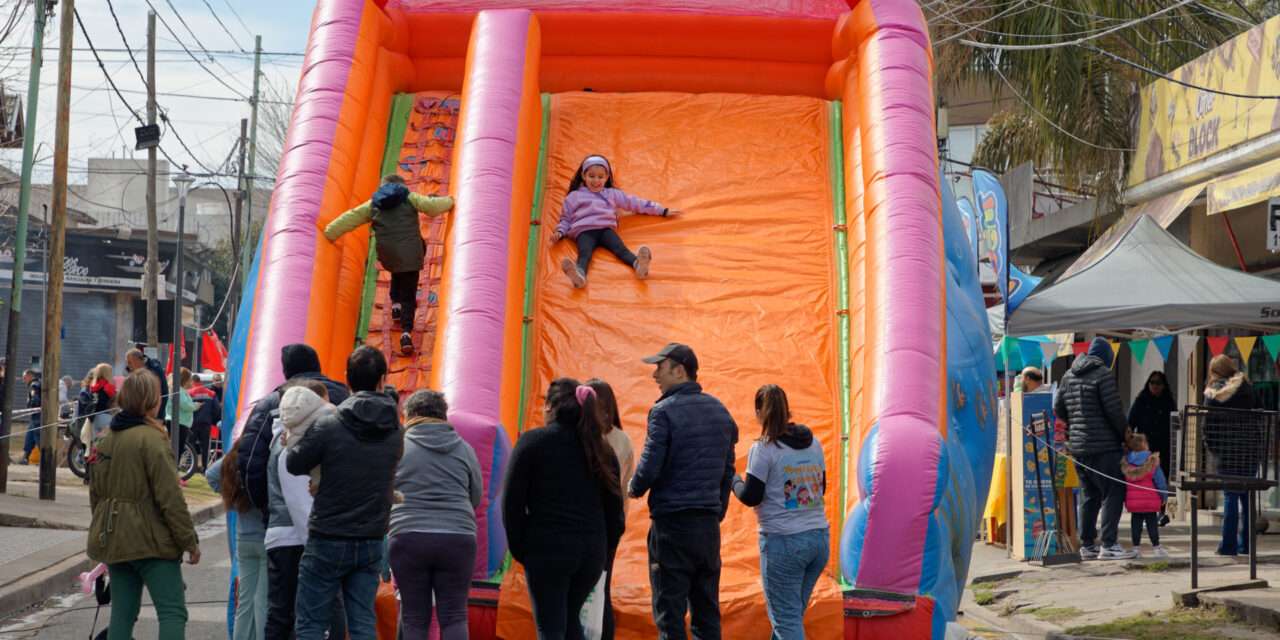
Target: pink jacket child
[
  {"x": 1142, "y": 468},
  {"x": 589, "y": 216}
]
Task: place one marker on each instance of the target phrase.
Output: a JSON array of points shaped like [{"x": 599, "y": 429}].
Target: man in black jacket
[
  {"x": 687, "y": 466},
  {"x": 1089, "y": 402},
  {"x": 31, "y": 441},
  {"x": 254, "y": 445},
  {"x": 357, "y": 449}
]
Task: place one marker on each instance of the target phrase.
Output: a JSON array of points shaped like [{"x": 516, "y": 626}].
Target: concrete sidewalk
[{"x": 42, "y": 543}]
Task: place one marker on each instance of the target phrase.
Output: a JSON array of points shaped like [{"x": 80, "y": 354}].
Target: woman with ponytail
[
  {"x": 786, "y": 482},
  {"x": 562, "y": 507}
]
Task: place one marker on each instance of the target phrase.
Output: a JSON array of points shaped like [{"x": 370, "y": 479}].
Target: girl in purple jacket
[{"x": 590, "y": 217}]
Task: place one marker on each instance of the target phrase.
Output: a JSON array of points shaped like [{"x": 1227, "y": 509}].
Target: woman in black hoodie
[
  {"x": 1149, "y": 416},
  {"x": 562, "y": 507},
  {"x": 786, "y": 482}
]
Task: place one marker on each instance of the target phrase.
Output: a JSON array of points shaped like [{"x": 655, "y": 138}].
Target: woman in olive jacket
[{"x": 140, "y": 525}]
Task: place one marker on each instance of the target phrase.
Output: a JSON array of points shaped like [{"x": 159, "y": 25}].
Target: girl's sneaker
[
  {"x": 643, "y": 256},
  {"x": 1089, "y": 553},
  {"x": 395, "y": 312},
  {"x": 406, "y": 343},
  {"x": 576, "y": 276},
  {"x": 1159, "y": 552}
]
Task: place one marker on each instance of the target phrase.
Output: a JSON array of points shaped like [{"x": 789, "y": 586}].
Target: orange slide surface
[{"x": 746, "y": 277}]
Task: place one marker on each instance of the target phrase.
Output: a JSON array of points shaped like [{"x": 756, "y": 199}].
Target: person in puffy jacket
[
  {"x": 433, "y": 531},
  {"x": 687, "y": 465},
  {"x": 298, "y": 361},
  {"x": 140, "y": 526},
  {"x": 1089, "y": 401},
  {"x": 393, "y": 213},
  {"x": 1236, "y": 445},
  {"x": 1149, "y": 416},
  {"x": 358, "y": 449},
  {"x": 1146, "y": 492}
]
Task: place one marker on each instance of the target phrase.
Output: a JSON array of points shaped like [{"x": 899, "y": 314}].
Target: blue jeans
[
  {"x": 330, "y": 565},
  {"x": 251, "y": 595},
  {"x": 1235, "y": 539},
  {"x": 790, "y": 566},
  {"x": 31, "y": 440}
]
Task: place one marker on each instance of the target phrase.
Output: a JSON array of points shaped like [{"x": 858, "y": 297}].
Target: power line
[
  {"x": 1076, "y": 41},
  {"x": 1165, "y": 76},
  {"x": 189, "y": 53},
  {"x": 175, "y": 94},
  {"x": 224, "y": 26},
  {"x": 142, "y": 76},
  {"x": 191, "y": 31},
  {"x": 238, "y": 18},
  {"x": 211, "y": 52}
]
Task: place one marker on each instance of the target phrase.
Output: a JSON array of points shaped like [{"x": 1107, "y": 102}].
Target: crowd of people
[
  {"x": 334, "y": 484},
  {"x": 1118, "y": 456}
]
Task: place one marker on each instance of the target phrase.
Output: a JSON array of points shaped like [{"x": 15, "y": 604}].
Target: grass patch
[
  {"x": 1056, "y": 614},
  {"x": 1185, "y": 624},
  {"x": 1155, "y": 567},
  {"x": 984, "y": 597},
  {"x": 198, "y": 487}
]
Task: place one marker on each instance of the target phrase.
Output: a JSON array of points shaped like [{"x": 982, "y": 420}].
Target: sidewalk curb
[
  {"x": 38, "y": 586},
  {"x": 1255, "y": 614},
  {"x": 1015, "y": 624}
]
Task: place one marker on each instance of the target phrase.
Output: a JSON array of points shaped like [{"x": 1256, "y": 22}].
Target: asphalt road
[{"x": 70, "y": 615}]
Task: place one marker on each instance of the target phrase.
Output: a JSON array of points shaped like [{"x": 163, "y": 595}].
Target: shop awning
[{"x": 1148, "y": 280}]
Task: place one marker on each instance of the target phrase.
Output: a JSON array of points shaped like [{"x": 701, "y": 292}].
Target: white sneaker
[
  {"x": 1116, "y": 552},
  {"x": 1089, "y": 553},
  {"x": 1159, "y": 552}
]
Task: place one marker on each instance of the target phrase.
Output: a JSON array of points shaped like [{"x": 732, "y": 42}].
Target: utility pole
[
  {"x": 20, "y": 245},
  {"x": 151, "y": 273},
  {"x": 53, "y": 312},
  {"x": 235, "y": 289},
  {"x": 246, "y": 255},
  {"x": 175, "y": 388}
]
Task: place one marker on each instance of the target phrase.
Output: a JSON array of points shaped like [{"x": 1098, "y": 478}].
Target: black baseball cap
[{"x": 681, "y": 354}]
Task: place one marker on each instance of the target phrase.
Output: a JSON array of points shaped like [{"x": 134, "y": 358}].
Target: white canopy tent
[{"x": 1148, "y": 281}]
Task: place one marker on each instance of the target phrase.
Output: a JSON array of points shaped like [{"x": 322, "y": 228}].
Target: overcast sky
[{"x": 101, "y": 125}]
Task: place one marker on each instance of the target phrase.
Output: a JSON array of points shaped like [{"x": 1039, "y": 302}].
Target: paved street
[{"x": 69, "y": 615}]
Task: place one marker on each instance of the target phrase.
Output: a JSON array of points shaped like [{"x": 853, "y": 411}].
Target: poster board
[{"x": 1034, "y": 411}]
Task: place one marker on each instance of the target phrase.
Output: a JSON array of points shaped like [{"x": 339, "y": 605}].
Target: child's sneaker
[
  {"x": 406, "y": 343},
  {"x": 576, "y": 276},
  {"x": 1164, "y": 519},
  {"x": 395, "y": 312},
  {"x": 1116, "y": 552},
  {"x": 643, "y": 256},
  {"x": 1089, "y": 553},
  {"x": 1159, "y": 552}
]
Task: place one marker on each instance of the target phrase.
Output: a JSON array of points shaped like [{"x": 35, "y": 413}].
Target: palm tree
[{"x": 1067, "y": 65}]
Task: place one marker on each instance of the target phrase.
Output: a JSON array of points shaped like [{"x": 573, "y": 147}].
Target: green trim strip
[
  {"x": 401, "y": 108},
  {"x": 835, "y": 128},
  {"x": 531, "y": 264}
]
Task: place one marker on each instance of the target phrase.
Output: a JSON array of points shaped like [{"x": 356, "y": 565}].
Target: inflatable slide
[{"x": 815, "y": 252}]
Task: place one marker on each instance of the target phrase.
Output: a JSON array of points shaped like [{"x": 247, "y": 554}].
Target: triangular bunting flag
[
  {"x": 1187, "y": 345},
  {"x": 1030, "y": 351},
  {"x": 1007, "y": 356},
  {"x": 1050, "y": 351},
  {"x": 1164, "y": 343},
  {"x": 1217, "y": 344},
  {"x": 1115, "y": 353},
  {"x": 1079, "y": 347},
  {"x": 1139, "y": 349},
  {"x": 1245, "y": 345},
  {"x": 1272, "y": 343}
]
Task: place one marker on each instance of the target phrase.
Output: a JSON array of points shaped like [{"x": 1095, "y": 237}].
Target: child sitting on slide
[
  {"x": 393, "y": 211},
  {"x": 590, "y": 217}
]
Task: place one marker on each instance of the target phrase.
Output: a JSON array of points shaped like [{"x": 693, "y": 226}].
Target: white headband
[{"x": 596, "y": 161}]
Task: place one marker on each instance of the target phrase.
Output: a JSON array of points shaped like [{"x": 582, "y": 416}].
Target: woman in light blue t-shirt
[{"x": 786, "y": 482}]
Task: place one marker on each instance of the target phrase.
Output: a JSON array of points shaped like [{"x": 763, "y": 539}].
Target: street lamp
[{"x": 183, "y": 181}]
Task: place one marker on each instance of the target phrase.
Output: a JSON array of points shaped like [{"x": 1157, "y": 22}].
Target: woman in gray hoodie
[{"x": 433, "y": 531}]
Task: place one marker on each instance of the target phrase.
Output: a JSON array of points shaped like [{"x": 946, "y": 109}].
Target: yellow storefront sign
[
  {"x": 1178, "y": 125},
  {"x": 1255, "y": 184}
]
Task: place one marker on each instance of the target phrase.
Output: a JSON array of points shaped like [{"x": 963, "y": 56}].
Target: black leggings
[
  {"x": 559, "y": 582},
  {"x": 404, "y": 291},
  {"x": 1152, "y": 520},
  {"x": 607, "y": 238}
]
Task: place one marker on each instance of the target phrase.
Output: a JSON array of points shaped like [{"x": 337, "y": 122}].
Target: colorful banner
[
  {"x": 969, "y": 216},
  {"x": 1139, "y": 349},
  {"x": 1179, "y": 125},
  {"x": 1020, "y": 286},
  {"x": 1256, "y": 184},
  {"x": 1217, "y": 344},
  {"x": 1038, "y": 499},
  {"x": 993, "y": 222},
  {"x": 1164, "y": 344},
  {"x": 1245, "y": 345},
  {"x": 1272, "y": 343},
  {"x": 1115, "y": 353}
]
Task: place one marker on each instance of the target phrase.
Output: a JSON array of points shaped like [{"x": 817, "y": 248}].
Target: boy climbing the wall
[{"x": 393, "y": 211}]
